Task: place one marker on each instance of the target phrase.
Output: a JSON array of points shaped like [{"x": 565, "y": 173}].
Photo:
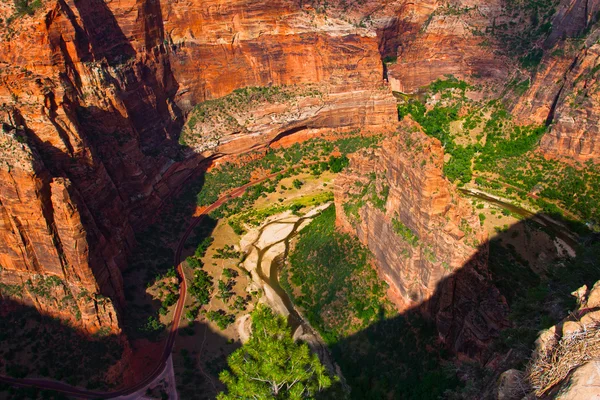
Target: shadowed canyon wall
[
  {"x": 422, "y": 233},
  {"x": 94, "y": 96}
]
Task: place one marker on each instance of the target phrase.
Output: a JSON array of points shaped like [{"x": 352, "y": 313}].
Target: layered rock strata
[
  {"x": 94, "y": 96},
  {"x": 427, "y": 240}
]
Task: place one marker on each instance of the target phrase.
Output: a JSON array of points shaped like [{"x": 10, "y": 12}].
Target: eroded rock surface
[
  {"x": 427, "y": 241},
  {"x": 94, "y": 95}
]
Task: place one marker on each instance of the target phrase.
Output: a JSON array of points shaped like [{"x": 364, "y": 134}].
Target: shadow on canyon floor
[
  {"x": 405, "y": 357},
  {"x": 467, "y": 337},
  {"x": 35, "y": 346}
]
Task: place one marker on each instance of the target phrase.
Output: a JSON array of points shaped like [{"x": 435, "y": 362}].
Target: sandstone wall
[
  {"x": 93, "y": 96},
  {"x": 440, "y": 264}
]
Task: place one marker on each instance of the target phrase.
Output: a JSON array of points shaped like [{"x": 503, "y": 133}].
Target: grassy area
[
  {"x": 504, "y": 151},
  {"x": 382, "y": 355},
  {"x": 340, "y": 291},
  {"x": 230, "y": 175},
  {"x": 254, "y": 217},
  {"x": 576, "y": 189}
]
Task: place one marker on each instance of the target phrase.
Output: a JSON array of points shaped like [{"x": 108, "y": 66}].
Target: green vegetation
[
  {"x": 368, "y": 192},
  {"x": 441, "y": 85},
  {"x": 221, "y": 318},
  {"x": 390, "y": 59},
  {"x": 227, "y": 252},
  {"x": 11, "y": 290},
  {"x": 381, "y": 355},
  {"x": 297, "y": 183},
  {"x": 153, "y": 327},
  {"x": 225, "y": 289},
  {"x": 26, "y": 7},
  {"x": 508, "y": 156},
  {"x": 271, "y": 365},
  {"x": 405, "y": 232},
  {"x": 254, "y": 217},
  {"x": 229, "y": 175},
  {"x": 436, "y": 123},
  {"x": 339, "y": 291},
  {"x": 574, "y": 189},
  {"x": 201, "y": 287}
]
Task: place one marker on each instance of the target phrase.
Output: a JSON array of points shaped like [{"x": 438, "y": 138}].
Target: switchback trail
[{"x": 49, "y": 384}]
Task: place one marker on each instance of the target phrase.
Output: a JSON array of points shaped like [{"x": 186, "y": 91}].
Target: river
[{"x": 554, "y": 227}]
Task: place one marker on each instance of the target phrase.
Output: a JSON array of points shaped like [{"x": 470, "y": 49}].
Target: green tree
[{"x": 271, "y": 365}]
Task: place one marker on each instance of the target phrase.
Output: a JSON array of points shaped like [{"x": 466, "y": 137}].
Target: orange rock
[
  {"x": 444, "y": 271},
  {"x": 93, "y": 97}
]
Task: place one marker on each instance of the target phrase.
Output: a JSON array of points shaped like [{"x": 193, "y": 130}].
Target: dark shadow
[
  {"x": 456, "y": 343},
  {"x": 36, "y": 347},
  {"x": 44, "y": 346},
  {"x": 102, "y": 37},
  {"x": 289, "y": 132}
]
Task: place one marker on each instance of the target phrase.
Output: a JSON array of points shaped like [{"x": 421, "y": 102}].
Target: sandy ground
[{"x": 270, "y": 236}]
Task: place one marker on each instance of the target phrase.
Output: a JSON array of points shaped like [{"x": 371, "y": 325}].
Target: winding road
[
  {"x": 49, "y": 384},
  {"x": 77, "y": 392}
]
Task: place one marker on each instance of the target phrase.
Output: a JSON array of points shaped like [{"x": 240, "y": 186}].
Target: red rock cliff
[
  {"x": 427, "y": 240},
  {"x": 94, "y": 95}
]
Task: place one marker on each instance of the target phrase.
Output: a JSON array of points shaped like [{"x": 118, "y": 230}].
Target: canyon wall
[
  {"x": 97, "y": 95},
  {"x": 496, "y": 44},
  {"x": 427, "y": 240},
  {"x": 564, "y": 93},
  {"x": 93, "y": 98}
]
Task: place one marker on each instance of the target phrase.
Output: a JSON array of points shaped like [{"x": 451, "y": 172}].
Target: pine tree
[{"x": 271, "y": 365}]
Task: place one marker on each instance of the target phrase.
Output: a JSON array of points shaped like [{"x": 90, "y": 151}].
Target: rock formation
[
  {"x": 448, "y": 41},
  {"x": 565, "y": 360},
  {"x": 94, "y": 96},
  {"x": 427, "y": 240}
]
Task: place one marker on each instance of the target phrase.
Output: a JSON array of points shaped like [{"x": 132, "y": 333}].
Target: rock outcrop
[
  {"x": 93, "y": 98},
  {"x": 427, "y": 240},
  {"x": 564, "y": 363}
]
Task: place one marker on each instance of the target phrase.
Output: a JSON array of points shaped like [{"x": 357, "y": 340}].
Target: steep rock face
[
  {"x": 575, "y": 133},
  {"x": 448, "y": 40},
  {"x": 95, "y": 94},
  {"x": 563, "y": 89},
  {"x": 45, "y": 249},
  {"x": 427, "y": 240}
]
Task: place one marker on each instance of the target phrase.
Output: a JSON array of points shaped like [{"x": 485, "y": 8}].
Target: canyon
[
  {"x": 92, "y": 110},
  {"x": 110, "y": 109}
]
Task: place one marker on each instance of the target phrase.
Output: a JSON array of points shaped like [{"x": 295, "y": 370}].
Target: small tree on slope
[{"x": 271, "y": 365}]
